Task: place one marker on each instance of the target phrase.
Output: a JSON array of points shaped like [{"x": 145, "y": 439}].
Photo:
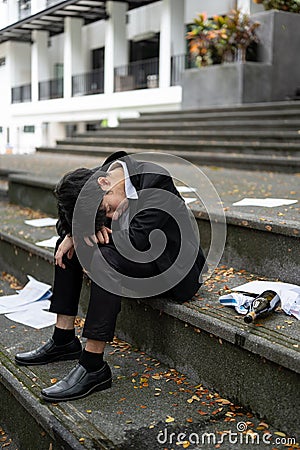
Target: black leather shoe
[
  {"x": 50, "y": 352},
  {"x": 78, "y": 383}
]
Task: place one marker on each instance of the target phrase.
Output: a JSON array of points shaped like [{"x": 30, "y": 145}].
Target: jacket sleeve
[{"x": 151, "y": 214}]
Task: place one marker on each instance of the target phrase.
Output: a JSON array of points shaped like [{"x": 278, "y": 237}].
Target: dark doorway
[
  {"x": 98, "y": 58},
  {"x": 144, "y": 49}
]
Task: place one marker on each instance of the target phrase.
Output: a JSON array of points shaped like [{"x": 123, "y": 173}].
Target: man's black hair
[{"x": 67, "y": 192}]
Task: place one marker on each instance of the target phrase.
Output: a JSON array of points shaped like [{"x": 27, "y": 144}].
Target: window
[
  {"x": 2, "y": 62},
  {"x": 58, "y": 71},
  {"x": 28, "y": 129}
]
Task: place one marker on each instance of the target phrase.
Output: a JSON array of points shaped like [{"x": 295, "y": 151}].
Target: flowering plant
[{"x": 211, "y": 41}]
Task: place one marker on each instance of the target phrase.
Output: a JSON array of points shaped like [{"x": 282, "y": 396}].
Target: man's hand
[
  {"x": 66, "y": 247},
  {"x": 102, "y": 237}
]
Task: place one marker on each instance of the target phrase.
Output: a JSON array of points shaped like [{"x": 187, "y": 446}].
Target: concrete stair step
[
  {"x": 130, "y": 415},
  {"x": 283, "y": 148},
  {"x": 201, "y": 329},
  {"x": 265, "y": 106},
  {"x": 217, "y": 115},
  {"x": 287, "y": 136},
  {"x": 243, "y": 124},
  {"x": 275, "y": 250},
  {"x": 286, "y": 164}
]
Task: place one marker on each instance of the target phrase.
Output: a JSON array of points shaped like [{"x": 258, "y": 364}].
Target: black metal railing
[
  {"x": 88, "y": 83},
  {"x": 137, "y": 75},
  {"x": 179, "y": 63},
  {"x": 21, "y": 94},
  {"x": 51, "y": 89}
]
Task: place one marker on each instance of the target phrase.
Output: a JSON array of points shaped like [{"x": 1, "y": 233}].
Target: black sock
[
  {"x": 62, "y": 337},
  {"x": 91, "y": 361}
]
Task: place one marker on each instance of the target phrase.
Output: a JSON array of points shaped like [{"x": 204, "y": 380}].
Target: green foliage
[
  {"x": 211, "y": 41},
  {"x": 283, "y": 5}
]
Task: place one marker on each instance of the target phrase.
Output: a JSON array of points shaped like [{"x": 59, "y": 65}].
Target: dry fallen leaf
[
  {"x": 169, "y": 419},
  {"x": 223, "y": 401}
]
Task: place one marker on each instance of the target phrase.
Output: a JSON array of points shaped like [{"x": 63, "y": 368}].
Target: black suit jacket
[{"x": 159, "y": 206}]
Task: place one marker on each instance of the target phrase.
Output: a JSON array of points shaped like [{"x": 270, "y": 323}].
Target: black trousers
[{"x": 104, "y": 306}]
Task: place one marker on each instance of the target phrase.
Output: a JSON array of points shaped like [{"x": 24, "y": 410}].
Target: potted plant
[
  {"x": 216, "y": 40},
  {"x": 241, "y": 31}
]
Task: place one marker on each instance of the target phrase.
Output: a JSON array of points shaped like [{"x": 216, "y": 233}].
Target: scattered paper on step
[
  {"x": 45, "y": 222},
  {"x": 50, "y": 243},
  {"x": 184, "y": 189},
  {"x": 266, "y": 202},
  {"x": 241, "y": 302},
  {"x": 189, "y": 200},
  {"x": 31, "y": 297},
  {"x": 289, "y": 295},
  {"x": 36, "y": 315}
]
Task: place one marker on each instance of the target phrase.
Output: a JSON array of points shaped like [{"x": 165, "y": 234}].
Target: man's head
[
  {"x": 67, "y": 192},
  {"x": 102, "y": 194},
  {"x": 114, "y": 200}
]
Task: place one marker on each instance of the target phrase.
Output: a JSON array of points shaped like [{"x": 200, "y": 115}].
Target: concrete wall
[
  {"x": 280, "y": 43},
  {"x": 211, "y": 7}
]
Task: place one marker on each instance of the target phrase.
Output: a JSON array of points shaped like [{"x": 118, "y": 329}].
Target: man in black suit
[{"x": 131, "y": 230}]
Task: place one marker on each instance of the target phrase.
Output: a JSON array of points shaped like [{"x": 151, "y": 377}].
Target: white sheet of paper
[
  {"x": 32, "y": 292},
  {"x": 34, "y": 315},
  {"x": 190, "y": 200},
  {"x": 45, "y": 222},
  {"x": 185, "y": 189},
  {"x": 257, "y": 287},
  {"x": 50, "y": 243},
  {"x": 267, "y": 202}
]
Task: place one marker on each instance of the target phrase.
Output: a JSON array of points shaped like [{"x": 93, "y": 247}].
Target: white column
[
  {"x": 38, "y": 5},
  {"x": 40, "y": 68},
  {"x": 172, "y": 37},
  {"x": 4, "y": 18},
  {"x": 116, "y": 45},
  {"x": 13, "y": 11},
  {"x": 73, "y": 55},
  {"x": 56, "y": 131}
]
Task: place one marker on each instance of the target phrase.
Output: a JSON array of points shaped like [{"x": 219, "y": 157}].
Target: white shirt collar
[{"x": 129, "y": 188}]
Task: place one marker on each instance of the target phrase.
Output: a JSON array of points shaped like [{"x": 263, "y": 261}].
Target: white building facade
[{"x": 66, "y": 66}]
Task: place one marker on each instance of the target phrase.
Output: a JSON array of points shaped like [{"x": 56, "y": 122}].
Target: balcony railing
[
  {"x": 88, "y": 83},
  {"x": 51, "y": 89},
  {"x": 137, "y": 75},
  {"x": 179, "y": 63},
  {"x": 21, "y": 94}
]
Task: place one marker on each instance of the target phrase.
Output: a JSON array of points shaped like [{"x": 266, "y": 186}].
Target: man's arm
[
  {"x": 65, "y": 247},
  {"x": 154, "y": 202}
]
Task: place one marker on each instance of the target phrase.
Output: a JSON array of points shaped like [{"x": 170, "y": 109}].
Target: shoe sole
[
  {"x": 68, "y": 357},
  {"x": 99, "y": 387}
]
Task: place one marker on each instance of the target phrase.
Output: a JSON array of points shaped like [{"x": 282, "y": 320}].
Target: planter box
[
  {"x": 275, "y": 77},
  {"x": 226, "y": 84}
]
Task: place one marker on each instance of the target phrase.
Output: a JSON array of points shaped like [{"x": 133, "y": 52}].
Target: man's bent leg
[
  {"x": 66, "y": 292},
  {"x": 92, "y": 373}
]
